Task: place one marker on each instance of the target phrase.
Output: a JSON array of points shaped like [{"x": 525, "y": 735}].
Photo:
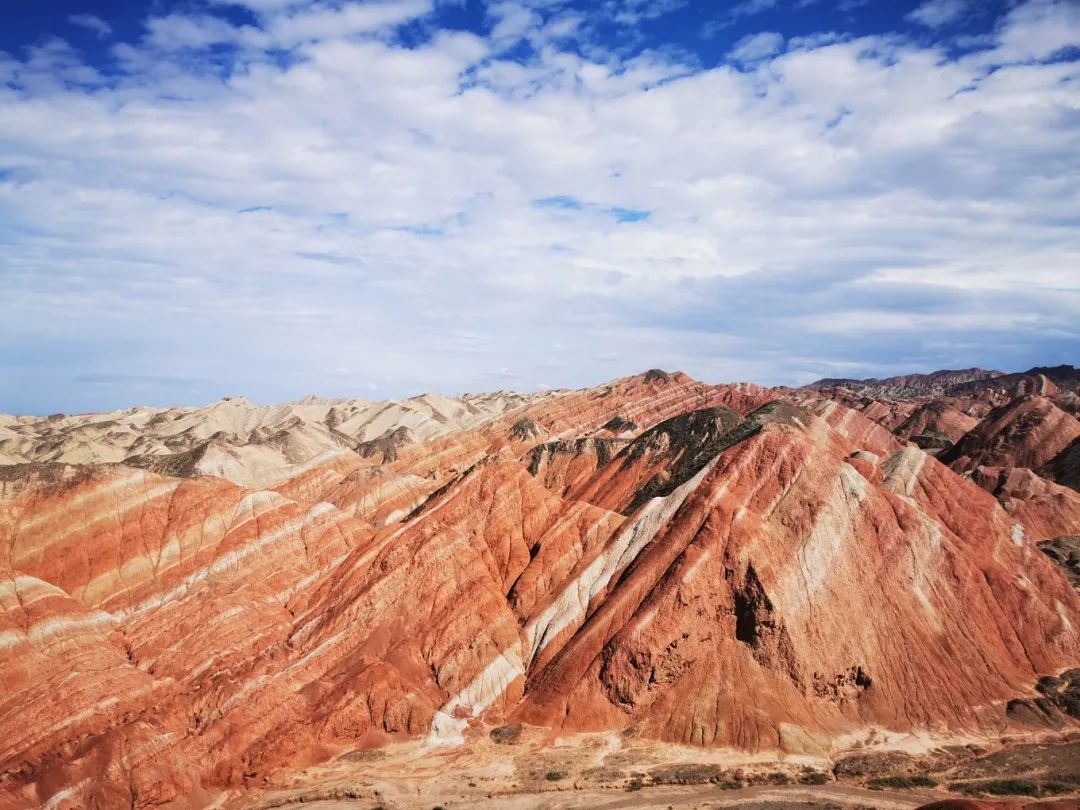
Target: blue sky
[{"x": 278, "y": 197}]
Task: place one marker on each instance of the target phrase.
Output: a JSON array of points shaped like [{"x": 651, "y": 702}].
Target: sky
[{"x": 273, "y": 198}]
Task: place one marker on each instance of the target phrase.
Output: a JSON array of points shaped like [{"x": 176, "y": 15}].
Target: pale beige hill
[
  {"x": 430, "y": 415},
  {"x": 251, "y": 445}
]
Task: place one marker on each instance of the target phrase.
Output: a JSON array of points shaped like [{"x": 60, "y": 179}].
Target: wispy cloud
[
  {"x": 92, "y": 23},
  {"x": 939, "y": 13},
  {"x": 755, "y": 47},
  {"x": 748, "y": 8}
]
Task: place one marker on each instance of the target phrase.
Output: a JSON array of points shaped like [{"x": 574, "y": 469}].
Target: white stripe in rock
[
  {"x": 485, "y": 689},
  {"x": 1018, "y": 534},
  {"x": 902, "y": 470},
  {"x": 571, "y": 605},
  {"x": 65, "y": 795},
  {"x": 823, "y": 545},
  {"x": 574, "y": 600}
]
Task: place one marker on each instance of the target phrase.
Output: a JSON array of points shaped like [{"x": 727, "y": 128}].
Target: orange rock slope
[{"x": 707, "y": 565}]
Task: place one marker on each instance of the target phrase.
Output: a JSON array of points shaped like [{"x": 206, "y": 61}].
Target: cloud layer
[{"x": 354, "y": 200}]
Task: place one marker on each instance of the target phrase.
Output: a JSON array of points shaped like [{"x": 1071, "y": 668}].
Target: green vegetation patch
[
  {"x": 998, "y": 787},
  {"x": 901, "y": 782},
  {"x": 694, "y": 774}
]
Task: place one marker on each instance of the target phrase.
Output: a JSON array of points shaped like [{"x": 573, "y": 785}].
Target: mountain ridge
[{"x": 654, "y": 558}]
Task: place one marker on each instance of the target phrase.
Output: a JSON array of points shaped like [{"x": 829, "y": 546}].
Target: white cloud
[
  {"x": 263, "y": 6},
  {"x": 177, "y": 31},
  {"x": 748, "y": 8},
  {"x": 632, "y": 12},
  {"x": 755, "y": 47},
  {"x": 374, "y": 207},
  {"x": 92, "y": 23},
  {"x": 318, "y": 22},
  {"x": 939, "y": 13},
  {"x": 290, "y": 27},
  {"x": 1039, "y": 29}
]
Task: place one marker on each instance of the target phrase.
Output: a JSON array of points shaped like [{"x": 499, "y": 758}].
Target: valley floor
[{"x": 607, "y": 771}]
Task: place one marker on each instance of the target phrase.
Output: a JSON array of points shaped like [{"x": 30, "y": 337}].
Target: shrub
[
  {"x": 1056, "y": 788},
  {"x": 554, "y": 776},
  {"x": 505, "y": 735},
  {"x": 693, "y": 774},
  {"x": 872, "y": 764},
  {"x": 813, "y": 778},
  {"x": 635, "y": 784},
  {"x": 998, "y": 787},
  {"x": 901, "y": 782}
]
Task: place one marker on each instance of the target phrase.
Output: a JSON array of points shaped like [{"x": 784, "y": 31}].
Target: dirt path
[
  {"x": 707, "y": 796},
  {"x": 699, "y": 797}
]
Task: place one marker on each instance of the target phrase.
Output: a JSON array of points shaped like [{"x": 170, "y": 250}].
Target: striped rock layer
[{"x": 706, "y": 565}]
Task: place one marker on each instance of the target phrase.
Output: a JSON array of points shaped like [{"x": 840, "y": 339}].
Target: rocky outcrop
[
  {"x": 1065, "y": 552},
  {"x": 1058, "y": 699},
  {"x": 386, "y": 446},
  {"x": 1042, "y": 507},
  {"x": 564, "y": 467},
  {"x": 524, "y": 429},
  {"x": 1064, "y": 468},
  {"x": 618, "y": 424},
  {"x": 936, "y": 418},
  {"x": 1027, "y": 432}
]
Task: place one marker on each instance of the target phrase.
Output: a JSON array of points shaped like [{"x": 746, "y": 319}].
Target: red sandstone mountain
[
  {"x": 937, "y": 417},
  {"x": 1027, "y": 432},
  {"x": 703, "y": 565},
  {"x": 1065, "y": 466},
  {"x": 935, "y": 426}
]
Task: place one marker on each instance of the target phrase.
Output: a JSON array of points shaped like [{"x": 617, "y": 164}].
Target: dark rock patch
[
  {"x": 525, "y": 429},
  {"x": 1065, "y": 552}
]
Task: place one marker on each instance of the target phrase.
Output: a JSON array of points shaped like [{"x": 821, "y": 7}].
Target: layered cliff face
[
  {"x": 705, "y": 565},
  {"x": 747, "y": 621},
  {"x": 1027, "y": 432},
  {"x": 936, "y": 420},
  {"x": 1016, "y": 435},
  {"x": 136, "y": 608}
]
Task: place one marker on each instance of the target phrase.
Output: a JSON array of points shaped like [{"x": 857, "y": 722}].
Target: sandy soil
[
  {"x": 837, "y": 797},
  {"x": 610, "y": 771}
]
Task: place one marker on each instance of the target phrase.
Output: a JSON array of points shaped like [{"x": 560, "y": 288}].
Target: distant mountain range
[{"x": 952, "y": 382}]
